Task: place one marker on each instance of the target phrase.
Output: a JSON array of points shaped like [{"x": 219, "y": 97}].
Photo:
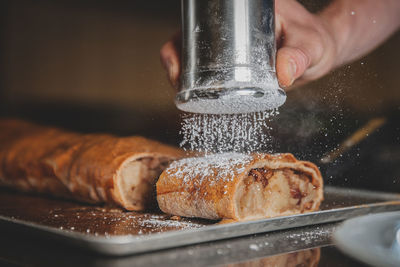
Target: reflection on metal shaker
[{"x": 228, "y": 57}]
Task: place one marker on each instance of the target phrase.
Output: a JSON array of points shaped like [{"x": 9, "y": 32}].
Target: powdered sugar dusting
[
  {"x": 162, "y": 223},
  {"x": 220, "y": 133},
  {"x": 216, "y": 167},
  {"x": 110, "y": 222}
]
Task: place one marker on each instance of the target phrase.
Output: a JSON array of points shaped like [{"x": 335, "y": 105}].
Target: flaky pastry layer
[
  {"x": 245, "y": 187},
  {"x": 95, "y": 168}
]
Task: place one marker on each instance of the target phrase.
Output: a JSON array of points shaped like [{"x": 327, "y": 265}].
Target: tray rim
[{"x": 133, "y": 244}]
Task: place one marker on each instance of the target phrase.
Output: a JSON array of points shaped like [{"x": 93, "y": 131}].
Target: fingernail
[
  {"x": 292, "y": 70},
  {"x": 171, "y": 74},
  {"x": 169, "y": 66},
  {"x": 170, "y": 69}
]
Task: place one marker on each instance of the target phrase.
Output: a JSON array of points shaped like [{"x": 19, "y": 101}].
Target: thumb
[
  {"x": 170, "y": 58},
  {"x": 291, "y": 63}
]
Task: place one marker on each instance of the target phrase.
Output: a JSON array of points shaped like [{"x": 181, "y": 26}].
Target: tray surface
[{"x": 116, "y": 232}]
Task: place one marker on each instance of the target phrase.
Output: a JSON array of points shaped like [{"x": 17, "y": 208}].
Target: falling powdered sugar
[{"x": 220, "y": 133}]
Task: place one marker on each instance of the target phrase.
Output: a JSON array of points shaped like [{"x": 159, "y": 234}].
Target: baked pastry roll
[
  {"x": 95, "y": 168},
  {"x": 240, "y": 187}
]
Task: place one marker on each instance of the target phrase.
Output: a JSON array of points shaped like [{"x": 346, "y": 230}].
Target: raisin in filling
[{"x": 261, "y": 175}]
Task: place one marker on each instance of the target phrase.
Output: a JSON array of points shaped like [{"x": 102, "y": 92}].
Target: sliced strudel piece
[
  {"x": 95, "y": 168},
  {"x": 240, "y": 187}
]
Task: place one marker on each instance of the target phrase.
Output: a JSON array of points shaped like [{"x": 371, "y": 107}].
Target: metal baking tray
[{"x": 114, "y": 232}]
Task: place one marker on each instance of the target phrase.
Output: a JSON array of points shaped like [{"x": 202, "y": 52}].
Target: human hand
[
  {"x": 170, "y": 55},
  {"x": 306, "y": 47},
  {"x": 310, "y": 45}
]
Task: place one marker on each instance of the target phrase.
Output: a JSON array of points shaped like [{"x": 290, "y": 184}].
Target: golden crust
[
  {"x": 210, "y": 191},
  {"x": 65, "y": 164}
]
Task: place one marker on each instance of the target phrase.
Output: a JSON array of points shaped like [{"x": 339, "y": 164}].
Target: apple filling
[
  {"x": 138, "y": 178},
  {"x": 268, "y": 193}
]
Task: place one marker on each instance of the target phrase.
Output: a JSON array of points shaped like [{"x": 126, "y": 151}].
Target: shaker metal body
[{"x": 228, "y": 57}]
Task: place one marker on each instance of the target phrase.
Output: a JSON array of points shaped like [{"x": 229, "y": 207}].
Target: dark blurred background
[
  {"x": 88, "y": 65},
  {"x": 93, "y": 66}
]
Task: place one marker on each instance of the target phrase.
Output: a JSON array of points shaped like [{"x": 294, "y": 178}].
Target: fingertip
[
  {"x": 170, "y": 61},
  {"x": 173, "y": 72},
  {"x": 165, "y": 53},
  {"x": 282, "y": 71},
  {"x": 291, "y": 63}
]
